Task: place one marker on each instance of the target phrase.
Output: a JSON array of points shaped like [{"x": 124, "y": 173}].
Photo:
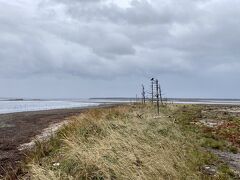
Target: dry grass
[{"x": 126, "y": 142}]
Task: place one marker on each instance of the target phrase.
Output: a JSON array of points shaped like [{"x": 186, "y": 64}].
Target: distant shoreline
[
  {"x": 114, "y": 99},
  {"x": 213, "y": 102},
  {"x": 19, "y": 106}
]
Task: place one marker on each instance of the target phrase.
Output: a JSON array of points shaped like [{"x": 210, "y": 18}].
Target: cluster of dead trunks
[{"x": 156, "y": 94}]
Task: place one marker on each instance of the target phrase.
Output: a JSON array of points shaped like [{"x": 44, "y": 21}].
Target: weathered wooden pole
[
  {"x": 157, "y": 95},
  {"x": 160, "y": 93},
  {"x": 143, "y": 95},
  {"x": 152, "y": 80}
]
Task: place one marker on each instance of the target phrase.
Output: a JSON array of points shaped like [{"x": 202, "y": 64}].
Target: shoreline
[{"x": 21, "y": 128}]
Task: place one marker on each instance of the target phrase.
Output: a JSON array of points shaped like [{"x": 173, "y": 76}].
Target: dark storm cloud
[{"x": 105, "y": 39}]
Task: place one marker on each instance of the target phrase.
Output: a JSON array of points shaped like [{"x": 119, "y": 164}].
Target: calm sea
[
  {"x": 12, "y": 106},
  {"x": 23, "y": 106}
]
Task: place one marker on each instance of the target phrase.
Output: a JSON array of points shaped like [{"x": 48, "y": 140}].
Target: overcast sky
[{"x": 104, "y": 48}]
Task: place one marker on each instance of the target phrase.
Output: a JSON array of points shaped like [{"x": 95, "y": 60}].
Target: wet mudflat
[{"x": 20, "y": 128}]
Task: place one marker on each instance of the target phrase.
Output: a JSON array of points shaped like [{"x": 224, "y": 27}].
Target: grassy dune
[{"x": 125, "y": 142}]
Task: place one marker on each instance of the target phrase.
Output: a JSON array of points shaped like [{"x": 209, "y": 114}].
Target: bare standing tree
[
  {"x": 152, "y": 93},
  {"x": 160, "y": 93},
  {"x": 143, "y": 95},
  {"x": 157, "y": 95}
]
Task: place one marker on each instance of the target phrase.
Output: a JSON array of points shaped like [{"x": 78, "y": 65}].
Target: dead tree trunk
[
  {"x": 160, "y": 93},
  {"x": 157, "y": 95},
  {"x": 152, "y": 93},
  {"x": 143, "y": 95}
]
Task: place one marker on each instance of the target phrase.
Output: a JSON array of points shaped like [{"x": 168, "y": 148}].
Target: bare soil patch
[{"x": 233, "y": 160}]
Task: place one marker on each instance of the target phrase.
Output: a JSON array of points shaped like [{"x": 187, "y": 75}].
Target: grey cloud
[
  {"x": 99, "y": 40},
  {"x": 80, "y": 32}
]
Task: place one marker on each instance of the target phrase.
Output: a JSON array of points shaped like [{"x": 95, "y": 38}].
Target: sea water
[{"x": 24, "y": 106}]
